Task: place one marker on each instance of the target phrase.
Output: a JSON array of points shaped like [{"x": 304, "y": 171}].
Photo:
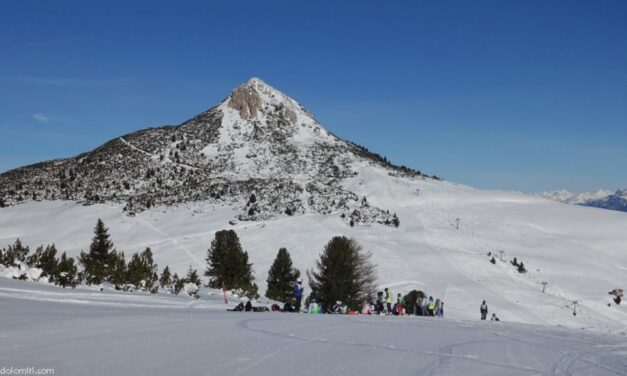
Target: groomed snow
[
  {"x": 83, "y": 331},
  {"x": 581, "y": 252}
]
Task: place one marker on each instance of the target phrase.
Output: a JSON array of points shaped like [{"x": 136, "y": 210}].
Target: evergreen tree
[
  {"x": 166, "y": 278},
  {"x": 97, "y": 263},
  {"x": 227, "y": 264},
  {"x": 150, "y": 269},
  {"x": 178, "y": 283},
  {"x": 66, "y": 271},
  {"x": 141, "y": 270},
  {"x": 135, "y": 271},
  {"x": 343, "y": 273},
  {"x": 44, "y": 259},
  {"x": 119, "y": 273},
  {"x": 281, "y": 278},
  {"x": 15, "y": 253},
  {"x": 192, "y": 276}
]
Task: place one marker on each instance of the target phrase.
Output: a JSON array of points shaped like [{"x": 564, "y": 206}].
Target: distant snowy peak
[
  {"x": 604, "y": 199},
  {"x": 568, "y": 197}
]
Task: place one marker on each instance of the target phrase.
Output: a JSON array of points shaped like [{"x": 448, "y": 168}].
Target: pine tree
[
  {"x": 343, "y": 273},
  {"x": 66, "y": 271},
  {"x": 281, "y": 278},
  {"x": 44, "y": 259},
  {"x": 192, "y": 276},
  {"x": 119, "y": 273},
  {"x": 227, "y": 264},
  {"x": 150, "y": 269},
  {"x": 166, "y": 278},
  {"x": 141, "y": 270},
  {"x": 15, "y": 253},
  {"x": 97, "y": 263},
  {"x": 178, "y": 283}
]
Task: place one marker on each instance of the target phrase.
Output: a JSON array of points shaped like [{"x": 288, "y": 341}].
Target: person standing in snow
[
  {"x": 380, "y": 302},
  {"x": 484, "y": 310},
  {"x": 389, "y": 299},
  {"x": 438, "y": 304},
  {"x": 431, "y": 307},
  {"x": 399, "y": 309},
  {"x": 298, "y": 293}
]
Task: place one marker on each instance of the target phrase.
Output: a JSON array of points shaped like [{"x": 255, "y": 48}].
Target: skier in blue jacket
[{"x": 298, "y": 293}]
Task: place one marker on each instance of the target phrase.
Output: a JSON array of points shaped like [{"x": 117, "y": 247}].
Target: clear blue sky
[{"x": 524, "y": 95}]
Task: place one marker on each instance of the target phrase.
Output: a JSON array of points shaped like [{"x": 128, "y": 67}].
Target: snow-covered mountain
[
  {"x": 258, "y": 151},
  {"x": 261, "y": 157},
  {"x": 613, "y": 200}
]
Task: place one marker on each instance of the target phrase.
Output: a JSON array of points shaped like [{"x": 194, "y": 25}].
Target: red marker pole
[{"x": 224, "y": 293}]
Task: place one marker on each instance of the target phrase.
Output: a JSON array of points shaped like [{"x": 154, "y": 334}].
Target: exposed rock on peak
[{"x": 246, "y": 100}]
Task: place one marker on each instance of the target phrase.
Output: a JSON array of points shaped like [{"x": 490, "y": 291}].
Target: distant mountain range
[{"x": 600, "y": 199}]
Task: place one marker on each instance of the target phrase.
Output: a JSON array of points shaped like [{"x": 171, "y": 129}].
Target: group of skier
[{"x": 385, "y": 304}]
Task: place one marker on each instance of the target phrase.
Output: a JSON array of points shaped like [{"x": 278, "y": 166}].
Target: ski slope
[
  {"x": 115, "y": 333},
  {"x": 581, "y": 252}
]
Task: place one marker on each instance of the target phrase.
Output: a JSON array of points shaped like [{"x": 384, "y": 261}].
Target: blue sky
[{"x": 523, "y": 95}]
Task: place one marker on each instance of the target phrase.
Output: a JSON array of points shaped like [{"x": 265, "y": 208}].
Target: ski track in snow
[{"x": 186, "y": 336}]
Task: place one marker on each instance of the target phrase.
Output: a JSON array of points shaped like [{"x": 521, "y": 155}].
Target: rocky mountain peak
[
  {"x": 255, "y": 97},
  {"x": 259, "y": 152}
]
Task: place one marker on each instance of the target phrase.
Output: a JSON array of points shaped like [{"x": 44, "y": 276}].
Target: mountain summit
[{"x": 258, "y": 151}]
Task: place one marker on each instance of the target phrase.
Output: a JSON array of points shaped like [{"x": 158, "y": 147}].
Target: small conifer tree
[
  {"x": 15, "y": 253},
  {"x": 44, "y": 259},
  {"x": 166, "y": 278},
  {"x": 192, "y": 276},
  {"x": 281, "y": 278},
  {"x": 66, "y": 271},
  {"x": 119, "y": 274},
  {"x": 97, "y": 263}
]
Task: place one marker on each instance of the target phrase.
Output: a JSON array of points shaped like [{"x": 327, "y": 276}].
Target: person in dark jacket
[
  {"x": 484, "y": 310},
  {"x": 248, "y": 307},
  {"x": 287, "y": 307},
  {"x": 239, "y": 307},
  {"x": 298, "y": 294},
  {"x": 380, "y": 302}
]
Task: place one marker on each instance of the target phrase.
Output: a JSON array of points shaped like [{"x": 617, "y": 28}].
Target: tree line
[{"x": 342, "y": 272}]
